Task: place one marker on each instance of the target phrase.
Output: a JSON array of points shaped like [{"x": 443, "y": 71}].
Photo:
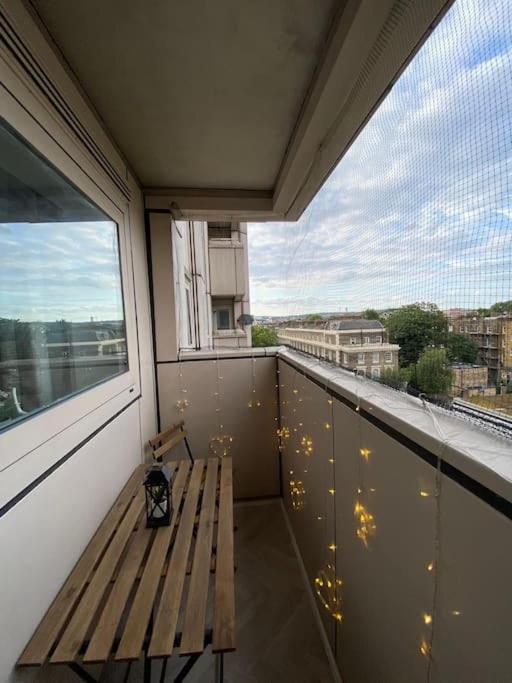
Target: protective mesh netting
[{"x": 419, "y": 208}]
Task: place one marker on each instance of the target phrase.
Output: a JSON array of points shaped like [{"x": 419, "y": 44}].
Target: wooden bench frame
[
  {"x": 164, "y": 441},
  {"x": 123, "y": 555}
]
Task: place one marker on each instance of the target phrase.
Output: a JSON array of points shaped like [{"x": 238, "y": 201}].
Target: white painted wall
[{"x": 43, "y": 536}]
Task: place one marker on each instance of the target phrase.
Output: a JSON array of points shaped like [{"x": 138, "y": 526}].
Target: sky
[
  {"x": 50, "y": 271},
  {"x": 419, "y": 208}
]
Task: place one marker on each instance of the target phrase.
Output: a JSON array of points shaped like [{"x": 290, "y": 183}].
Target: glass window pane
[
  {"x": 62, "y": 326},
  {"x": 223, "y": 319}
]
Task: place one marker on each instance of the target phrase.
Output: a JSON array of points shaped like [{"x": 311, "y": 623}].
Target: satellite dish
[{"x": 246, "y": 319}]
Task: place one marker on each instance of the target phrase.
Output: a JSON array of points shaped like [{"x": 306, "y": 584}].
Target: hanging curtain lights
[
  {"x": 327, "y": 589},
  {"x": 307, "y": 445},
  {"x": 254, "y": 402},
  {"x": 297, "y": 493},
  {"x": 182, "y": 403},
  {"x": 220, "y": 444}
]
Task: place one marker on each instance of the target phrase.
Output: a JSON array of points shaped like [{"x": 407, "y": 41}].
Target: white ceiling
[
  {"x": 196, "y": 93},
  {"x": 235, "y": 108}
]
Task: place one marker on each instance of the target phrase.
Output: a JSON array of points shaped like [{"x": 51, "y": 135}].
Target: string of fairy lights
[
  {"x": 296, "y": 430},
  {"x": 220, "y": 444},
  {"x": 328, "y": 584}
]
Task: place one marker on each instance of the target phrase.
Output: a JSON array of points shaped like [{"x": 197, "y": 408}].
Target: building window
[
  {"x": 353, "y": 340},
  {"x": 222, "y": 310},
  {"x": 388, "y": 357},
  {"x": 367, "y": 340},
  {"x": 360, "y": 358},
  {"x": 378, "y": 339},
  {"x": 219, "y": 230},
  {"x": 62, "y": 322},
  {"x": 345, "y": 358},
  {"x": 375, "y": 373},
  {"x": 375, "y": 357}
]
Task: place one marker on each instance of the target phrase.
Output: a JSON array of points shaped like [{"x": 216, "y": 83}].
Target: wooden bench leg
[
  {"x": 219, "y": 668},
  {"x": 81, "y": 673}
]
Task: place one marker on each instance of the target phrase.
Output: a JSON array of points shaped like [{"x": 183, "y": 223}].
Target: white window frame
[
  {"x": 375, "y": 357},
  {"x": 75, "y": 414},
  {"x": 375, "y": 373},
  {"x": 366, "y": 340},
  {"x": 360, "y": 359},
  {"x": 388, "y": 356},
  {"x": 353, "y": 341},
  {"x": 188, "y": 312}
]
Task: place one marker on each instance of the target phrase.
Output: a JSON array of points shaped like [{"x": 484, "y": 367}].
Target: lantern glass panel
[{"x": 158, "y": 499}]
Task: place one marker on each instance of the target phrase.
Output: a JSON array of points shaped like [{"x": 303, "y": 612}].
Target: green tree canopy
[
  {"x": 461, "y": 348},
  {"x": 264, "y": 336},
  {"x": 433, "y": 374},
  {"x": 314, "y": 316},
  {"x": 415, "y": 327},
  {"x": 396, "y": 378},
  {"x": 501, "y": 307},
  {"x": 370, "y": 314}
]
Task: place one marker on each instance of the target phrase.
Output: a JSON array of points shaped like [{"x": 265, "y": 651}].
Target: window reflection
[{"x": 62, "y": 326}]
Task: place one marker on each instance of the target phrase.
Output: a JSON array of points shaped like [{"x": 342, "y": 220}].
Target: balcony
[
  {"x": 387, "y": 498},
  {"x": 373, "y": 529}
]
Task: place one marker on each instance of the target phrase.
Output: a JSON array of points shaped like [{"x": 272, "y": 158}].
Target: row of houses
[{"x": 356, "y": 344}]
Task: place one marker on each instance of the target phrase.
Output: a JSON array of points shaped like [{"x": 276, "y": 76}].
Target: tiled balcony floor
[{"x": 277, "y": 636}]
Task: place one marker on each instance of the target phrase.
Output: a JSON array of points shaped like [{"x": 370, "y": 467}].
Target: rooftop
[{"x": 355, "y": 324}]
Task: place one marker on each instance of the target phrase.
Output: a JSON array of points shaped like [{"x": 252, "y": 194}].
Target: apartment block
[
  {"x": 493, "y": 334},
  {"x": 206, "y": 299},
  {"x": 358, "y": 344}
]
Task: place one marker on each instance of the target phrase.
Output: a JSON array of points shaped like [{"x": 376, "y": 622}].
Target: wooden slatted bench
[{"x": 129, "y": 590}]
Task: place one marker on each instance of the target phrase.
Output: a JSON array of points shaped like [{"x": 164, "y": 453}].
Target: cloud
[
  {"x": 419, "y": 207},
  {"x": 49, "y": 271}
]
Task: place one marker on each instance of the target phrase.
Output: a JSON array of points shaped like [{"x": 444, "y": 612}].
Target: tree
[
  {"x": 313, "y": 316},
  {"x": 397, "y": 378},
  {"x": 461, "y": 348},
  {"x": 501, "y": 307},
  {"x": 370, "y": 314},
  {"x": 433, "y": 374},
  {"x": 264, "y": 336},
  {"x": 415, "y": 327}
]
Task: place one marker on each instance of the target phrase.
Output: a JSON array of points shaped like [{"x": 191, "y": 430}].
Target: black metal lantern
[{"x": 158, "y": 496}]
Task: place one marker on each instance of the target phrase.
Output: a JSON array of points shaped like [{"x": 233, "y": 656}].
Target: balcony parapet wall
[
  {"x": 484, "y": 457},
  {"x": 402, "y": 515}
]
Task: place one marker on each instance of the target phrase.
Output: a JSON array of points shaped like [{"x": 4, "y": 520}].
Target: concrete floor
[{"x": 278, "y": 640}]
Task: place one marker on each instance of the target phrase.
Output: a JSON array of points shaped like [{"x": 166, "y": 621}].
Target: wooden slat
[
  {"x": 162, "y": 639},
  {"x": 162, "y": 436},
  {"x": 223, "y": 639},
  {"x": 169, "y": 444},
  {"x": 48, "y": 630},
  {"x": 105, "y": 631},
  {"x": 132, "y": 639},
  {"x": 74, "y": 635},
  {"x": 192, "y": 640}
]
